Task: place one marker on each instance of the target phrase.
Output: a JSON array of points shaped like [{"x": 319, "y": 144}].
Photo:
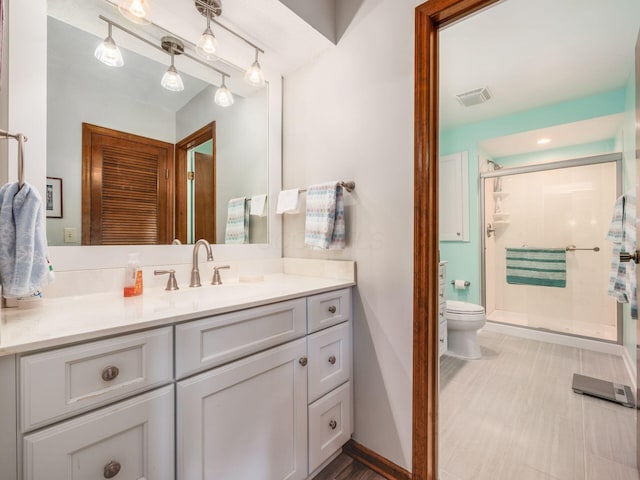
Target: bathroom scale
[{"x": 613, "y": 392}]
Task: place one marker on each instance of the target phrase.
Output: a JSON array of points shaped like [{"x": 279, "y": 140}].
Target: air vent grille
[{"x": 474, "y": 97}]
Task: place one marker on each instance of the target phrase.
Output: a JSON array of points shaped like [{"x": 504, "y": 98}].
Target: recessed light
[{"x": 542, "y": 141}]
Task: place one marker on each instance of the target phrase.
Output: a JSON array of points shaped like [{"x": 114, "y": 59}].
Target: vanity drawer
[
  {"x": 212, "y": 341},
  {"x": 57, "y": 384},
  {"x": 133, "y": 439},
  {"x": 329, "y": 353},
  {"x": 328, "y": 309},
  {"x": 330, "y": 424}
]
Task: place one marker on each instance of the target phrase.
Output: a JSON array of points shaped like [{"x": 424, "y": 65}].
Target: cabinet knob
[
  {"x": 332, "y": 360},
  {"x": 109, "y": 373},
  {"x": 332, "y": 309},
  {"x": 303, "y": 361},
  {"x": 112, "y": 469},
  {"x": 333, "y": 424}
]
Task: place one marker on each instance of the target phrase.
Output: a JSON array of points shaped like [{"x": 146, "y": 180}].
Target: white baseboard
[{"x": 549, "y": 337}]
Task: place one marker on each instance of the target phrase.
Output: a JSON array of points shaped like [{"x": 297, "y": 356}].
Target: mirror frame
[{"x": 27, "y": 113}]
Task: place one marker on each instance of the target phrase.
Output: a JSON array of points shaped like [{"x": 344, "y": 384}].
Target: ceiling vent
[{"x": 474, "y": 97}]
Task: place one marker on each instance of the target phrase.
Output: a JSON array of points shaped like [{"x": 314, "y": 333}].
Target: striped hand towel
[
  {"x": 546, "y": 267},
  {"x": 324, "y": 221},
  {"x": 622, "y": 233},
  {"x": 237, "y": 221}
]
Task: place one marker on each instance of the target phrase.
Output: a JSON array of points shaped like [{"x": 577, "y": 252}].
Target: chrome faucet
[{"x": 195, "y": 272}]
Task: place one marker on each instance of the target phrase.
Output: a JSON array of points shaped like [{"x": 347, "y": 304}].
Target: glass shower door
[{"x": 547, "y": 259}]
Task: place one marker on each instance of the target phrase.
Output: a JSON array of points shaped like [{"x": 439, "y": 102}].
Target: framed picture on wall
[{"x": 53, "y": 200}]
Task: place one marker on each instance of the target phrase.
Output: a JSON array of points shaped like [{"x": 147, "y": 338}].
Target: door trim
[
  {"x": 429, "y": 17},
  {"x": 208, "y": 132}
]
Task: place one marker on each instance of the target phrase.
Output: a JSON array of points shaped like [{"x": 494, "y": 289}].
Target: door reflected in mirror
[{"x": 231, "y": 162}]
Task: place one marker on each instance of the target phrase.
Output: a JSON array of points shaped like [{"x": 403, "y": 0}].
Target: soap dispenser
[{"x": 133, "y": 276}]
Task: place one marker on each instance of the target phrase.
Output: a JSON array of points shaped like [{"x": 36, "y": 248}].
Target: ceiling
[{"x": 532, "y": 53}]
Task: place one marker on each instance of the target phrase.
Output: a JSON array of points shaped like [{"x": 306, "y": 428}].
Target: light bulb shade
[
  {"x": 137, "y": 11},
  {"x": 207, "y": 45},
  {"x": 223, "y": 97},
  {"x": 109, "y": 53},
  {"x": 254, "y": 75},
  {"x": 172, "y": 80}
]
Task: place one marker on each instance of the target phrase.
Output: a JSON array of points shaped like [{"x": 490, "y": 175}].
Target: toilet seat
[{"x": 464, "y": 311}]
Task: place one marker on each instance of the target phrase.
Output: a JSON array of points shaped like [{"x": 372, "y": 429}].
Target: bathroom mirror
[{"x": 130, "y": 100}]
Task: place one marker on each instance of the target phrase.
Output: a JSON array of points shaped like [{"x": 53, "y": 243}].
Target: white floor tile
[{"x": 512, "y": 415}]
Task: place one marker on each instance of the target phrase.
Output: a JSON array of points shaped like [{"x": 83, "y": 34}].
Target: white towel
[
  {"x": 23, "y": 243},
  {"x": 288, "y": 201},
  {"x": 324, "y": 221},
  {"x": 258, "y": 204},
  {"x": 237, "y": 221}
]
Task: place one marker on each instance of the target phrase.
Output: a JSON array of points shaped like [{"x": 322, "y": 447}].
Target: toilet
[{"x": 464, "y": 319}]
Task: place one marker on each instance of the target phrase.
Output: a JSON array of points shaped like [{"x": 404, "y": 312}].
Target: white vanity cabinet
[
  {"x": 261, "y": 393},
  {"x": 442, "y": 308},
  {"x": 246, "y": 420},
  {"x": 274, "y": 415}
]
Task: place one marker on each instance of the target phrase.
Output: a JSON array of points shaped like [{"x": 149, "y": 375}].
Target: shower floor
[{"x": 584, "y": 329}]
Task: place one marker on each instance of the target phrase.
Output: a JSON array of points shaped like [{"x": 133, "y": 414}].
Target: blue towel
[
  {"x": 545, "y": 267},
  {"x": 237, "y": 230},
  {"x": 23, "y": 243},
  {"x": 622, "y": 232},
  {"x": 324, "y": 220}
]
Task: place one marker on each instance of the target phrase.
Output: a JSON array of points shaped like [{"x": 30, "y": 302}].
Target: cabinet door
[
  {"x": 454, "y": 198},
  {"x": 246, "y": 420},
  {"x": 131, "y": 440}
]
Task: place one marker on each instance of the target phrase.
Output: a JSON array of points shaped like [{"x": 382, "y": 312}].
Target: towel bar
[
  {"x": 573, "y": 248},
  {"x": 21, "y": 141},
  {"x": 348, "y": 186}
]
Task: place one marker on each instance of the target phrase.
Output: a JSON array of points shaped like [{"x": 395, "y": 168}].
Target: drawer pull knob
[
  {"x": 333, "y": 424},
  {"x": 108, "y": 374},
  {"x": 303, "y": 361},
  {"x": 332, "y": 309},
  {"x": 112, "y": 469},
  {"x": 332, "y": 360}
]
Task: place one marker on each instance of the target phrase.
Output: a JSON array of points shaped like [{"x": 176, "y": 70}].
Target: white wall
[
  {"x": 349, "y": 116},
  {"x": 242, "y": 151}
]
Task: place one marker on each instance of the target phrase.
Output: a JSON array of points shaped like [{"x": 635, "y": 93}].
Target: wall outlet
[{"x": 70, "y": 235}]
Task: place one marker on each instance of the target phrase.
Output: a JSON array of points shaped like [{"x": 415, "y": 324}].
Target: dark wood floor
[{"x": 346, "y": 468}]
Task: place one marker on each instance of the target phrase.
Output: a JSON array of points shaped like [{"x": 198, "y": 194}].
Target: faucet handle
[
  {"x": 172, "y": 284},
  {"x": 216, "y": 274}
]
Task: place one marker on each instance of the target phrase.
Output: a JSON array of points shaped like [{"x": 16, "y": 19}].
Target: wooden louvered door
[{"x": 126, "y": 188}]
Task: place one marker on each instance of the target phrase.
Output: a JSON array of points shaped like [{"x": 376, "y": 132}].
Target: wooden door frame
[
  {"x": 429, "y": 17},
  {"x": 208, "y": 132}
]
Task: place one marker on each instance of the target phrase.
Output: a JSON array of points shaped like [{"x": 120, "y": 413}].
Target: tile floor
[{"x": 512, "y": 415}]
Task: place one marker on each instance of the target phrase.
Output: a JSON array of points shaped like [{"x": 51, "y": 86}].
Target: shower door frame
[{"x": 541, "y": 167}]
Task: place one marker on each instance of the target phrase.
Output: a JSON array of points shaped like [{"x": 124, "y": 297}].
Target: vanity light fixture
[
  {"x": 108, "y": 52},
  {"x": 172, "y": 80},
  {"x": 208, "y": 44},
  {"x": 172, "y": 45},
  {"x": 254, "y": 75},
  {"x": 223, "y": 97},
  {"x": 137, "y": 11}
]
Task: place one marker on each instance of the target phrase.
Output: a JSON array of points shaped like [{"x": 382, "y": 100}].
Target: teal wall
[{"x": 464, "y": 258}]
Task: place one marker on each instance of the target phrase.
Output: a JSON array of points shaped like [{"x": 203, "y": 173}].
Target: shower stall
[{"x": 546, "y": 259}]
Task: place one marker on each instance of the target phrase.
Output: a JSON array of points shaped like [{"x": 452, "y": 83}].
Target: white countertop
[{"x": 64, "y": 320}]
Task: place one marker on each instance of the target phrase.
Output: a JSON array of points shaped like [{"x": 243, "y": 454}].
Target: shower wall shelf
[{"x": 500, "y": 194}]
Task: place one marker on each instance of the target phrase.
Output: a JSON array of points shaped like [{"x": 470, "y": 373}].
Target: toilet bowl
[{"x": 463, "y": 321}]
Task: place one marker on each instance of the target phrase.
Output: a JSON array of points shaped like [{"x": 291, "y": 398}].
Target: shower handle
[{"x": 490, "y": 230}]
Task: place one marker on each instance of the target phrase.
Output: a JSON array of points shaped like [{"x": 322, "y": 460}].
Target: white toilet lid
[{"x": 456, "y": 306}]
